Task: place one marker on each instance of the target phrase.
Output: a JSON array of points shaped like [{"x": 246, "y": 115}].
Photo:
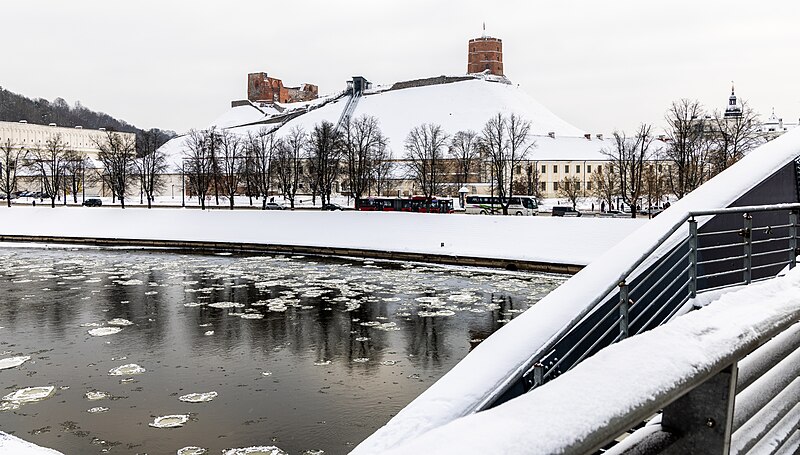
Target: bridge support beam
[{"x": 703, "y": 418}]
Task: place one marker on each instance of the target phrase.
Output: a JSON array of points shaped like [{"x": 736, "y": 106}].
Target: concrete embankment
[{"x": 562, "y": 245}]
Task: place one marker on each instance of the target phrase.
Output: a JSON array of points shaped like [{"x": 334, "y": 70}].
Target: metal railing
[{"x": 720, "y": 254}]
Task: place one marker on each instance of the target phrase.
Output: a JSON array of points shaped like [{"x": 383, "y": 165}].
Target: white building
[{"x": 32, "y": 136}]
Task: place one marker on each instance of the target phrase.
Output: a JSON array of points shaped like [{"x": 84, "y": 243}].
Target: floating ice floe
[
  {"x": 362, "y": 338},
  {"x": 12, "y": 362},
  {"x": 251, "y": 316},
  {"x": 97, "y": 410},
  {"x": 119, "y": 322},
  {"x": 125, "y": 370},
  {"x": 170, "y": 421},
  {"x": 91, "y": 324},
  {"x": 266, "y": 373},
  {"x": 322, "y": 363},
  {"x": 361, "y": 360},
  {"x": 255, "y": 450},
  {"x": 193, "y": 304},
  {"x": 390, "y": 363},
  {"x": 129, "y": 282},
  {"x": 30, "y": 394},
  {"x": 151, "y": 293},
  {"x": 192, "y": 450},
  {"x": 203, "y": 397},
  {"x": 104, "y": 331},
  {"x": 225, "y": 305},
  {"x": 94, "y": 395},
  {"x": 208, "y": 333},
  {"x": 9, "y": 406}
]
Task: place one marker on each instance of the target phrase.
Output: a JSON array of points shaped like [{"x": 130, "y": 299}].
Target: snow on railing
[{"x": 718, "y": 374}]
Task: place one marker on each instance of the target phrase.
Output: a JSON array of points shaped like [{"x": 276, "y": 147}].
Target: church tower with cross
[{"x": 485, "y": 53}]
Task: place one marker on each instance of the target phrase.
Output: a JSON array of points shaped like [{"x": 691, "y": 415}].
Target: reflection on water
[{"x": 299, "y": 353}]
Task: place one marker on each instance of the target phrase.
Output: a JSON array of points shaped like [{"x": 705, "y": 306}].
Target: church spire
[{"x": 734, "y": 110}]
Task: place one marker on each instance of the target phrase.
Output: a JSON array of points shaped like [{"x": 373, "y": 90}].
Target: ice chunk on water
[
  {"x": 192, "y": 450},
  {"x": 170, "y": 421},
  {"x": 119, "y": 322},
  {"x": 103, "y": 331},
  {"x": 202, "y": 397},
  {"x": 225, "y": 305},
  {"x": 255, "y": 450},
  {"x": 97, "y": 410},
  {"x": 251, "y": 316},
  {"x": 322, "y": 363},
  {"x": 9, "y": 406},
  {"x": 361, "y": 360},
  {"x": 125, "y": 370},
  {"x": 12, "y": 362},
  {"x": 94, "y": 395},
  {"x": 208, "y": 333},
  {"x": 30, "y": 394}
]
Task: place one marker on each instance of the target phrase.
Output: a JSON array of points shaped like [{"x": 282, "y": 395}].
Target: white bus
[{"x": 490, "y": 205}]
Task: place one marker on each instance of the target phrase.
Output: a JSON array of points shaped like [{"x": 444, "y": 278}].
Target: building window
[
  {"x": 659, "y": 168},
  {"x": 599, "y": 169},
  {"x": 555, "y": 186},
  {"x": 543, "y": 186},
  {"x": 588, "y": 168},
  {"x": 566, "y": 169},
  {"x": 578, "y": 169},
  {"x": 555, "y": 168},
  {"x": 589, "y": 186},
  {"x": 544, "y": 169},
  {"x": 577, "y": 186}
]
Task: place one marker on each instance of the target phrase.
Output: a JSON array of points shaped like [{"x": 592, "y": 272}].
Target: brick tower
[{"x": 485, "y": 53}]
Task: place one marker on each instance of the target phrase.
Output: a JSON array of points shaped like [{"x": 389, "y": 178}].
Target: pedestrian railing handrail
[{"x": 677, "y": 263}]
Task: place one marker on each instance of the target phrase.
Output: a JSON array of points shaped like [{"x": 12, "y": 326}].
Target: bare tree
[
  {"x": 230, "y": 164},
  {"x": 465, "y": 152},
  {"x": 324, "y": 156},
  {"x": 734, "y": 137},
  {"x": 152, "y": 165},
  {"x": 261, "y": 149},
  {"x": 197, "y": 164},
  {"x": 507, "y": 142},
  {"x": 11, "y": 160},
  {"x": 688, "y": 147},
  {"x": 532, "y": 178},
  {"x": 654, "y": 185},
  {"x": 629, "y": 154},
  {"x": 570, "y": 187},
  {"x": 117, "y": 153},
  {"x": 605, "y": 184},
  {"x": 362, "y": 142},
  {"x": 289, "y": 163},
  {"x": 425, "y": 148},
  {"x": 75, "y": 173},
  {"x": 382, "y": 172},
  {"x": 49, "y": 163}
]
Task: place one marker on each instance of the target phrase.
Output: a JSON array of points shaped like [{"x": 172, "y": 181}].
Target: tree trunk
[{"x": 231, "y": 199}]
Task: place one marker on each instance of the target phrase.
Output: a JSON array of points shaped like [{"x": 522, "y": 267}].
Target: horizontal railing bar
[
  {"x": 724, "y": 286},
  {"x": 773, "y": 264},
  {"x": 776, "y": 239},
  {"x": 665, "y": 259},
  {"x": 727, "y": 272},
  {"x": 714, "y": 261},
  {"x": 763, "y": 389},
  {"x": 660, "y": 294},
  {"x": 719, "y": 247},
  {"x": 772, "y": 227},
  {"x": 746, "y": 209},
  {"x": 762, "y": 359},
  {"x": 730, "y": 231},
  {"x": 767, "y": 253},
  {"x": 663, "y": 276},
  {"x": 653, "y": 317}
]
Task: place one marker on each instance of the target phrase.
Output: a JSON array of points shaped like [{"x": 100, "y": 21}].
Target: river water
[{"x": 304, "y": 354}]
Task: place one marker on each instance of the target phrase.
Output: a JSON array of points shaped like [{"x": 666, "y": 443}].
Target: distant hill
[{"x": 15, "y": 107}]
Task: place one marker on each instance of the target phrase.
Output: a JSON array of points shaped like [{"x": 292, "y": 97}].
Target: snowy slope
[
  {"x": 13, "y": 445},
  {"x": 487, "y": 366},
  {"x": 575, "y": 241}
]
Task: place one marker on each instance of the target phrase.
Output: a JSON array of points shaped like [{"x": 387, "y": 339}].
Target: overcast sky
[{"x": 600, "y": 65}]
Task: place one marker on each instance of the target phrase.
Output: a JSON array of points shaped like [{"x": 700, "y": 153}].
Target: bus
[
  {"x": 490, "y": 205},
  {"x": 411, "y": 204}
]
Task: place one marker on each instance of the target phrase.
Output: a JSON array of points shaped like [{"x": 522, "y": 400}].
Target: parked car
[
  {"x": 565, "y": 211},
  {"x": 274, "y": 206},
  {"x": 332, "y": 207},
  {"x": 92, "y": 202}
]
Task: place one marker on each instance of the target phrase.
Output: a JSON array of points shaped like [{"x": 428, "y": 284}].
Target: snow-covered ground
[
  {"x": 575, "y": 241},
  {"x": 12, "y": 445},
  {"x": 627, "y": 376}
]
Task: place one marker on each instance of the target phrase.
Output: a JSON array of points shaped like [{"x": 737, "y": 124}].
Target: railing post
[
  {"x": 792, "y": 239},
  {"x": 747, "y": 233},
  {"x": 623, "y": 310},
  {"x": 692, "y": 258},
  {"x": 538, "y": 374},
  {"x": 702, "y": 420}
]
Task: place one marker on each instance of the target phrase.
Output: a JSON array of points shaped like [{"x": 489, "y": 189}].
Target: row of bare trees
[
  {"x": 436, "y": 160},
  {"x": 262, "y": 163},
  {"x": 62, "y": 170}
]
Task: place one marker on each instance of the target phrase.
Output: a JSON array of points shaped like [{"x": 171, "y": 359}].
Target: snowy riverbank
[
  {"x": 11, "y": 444},
  {"x": 575, "y": 241}
]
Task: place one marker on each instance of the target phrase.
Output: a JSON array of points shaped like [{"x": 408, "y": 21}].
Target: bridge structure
[{"x": 738, "y": 229}]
